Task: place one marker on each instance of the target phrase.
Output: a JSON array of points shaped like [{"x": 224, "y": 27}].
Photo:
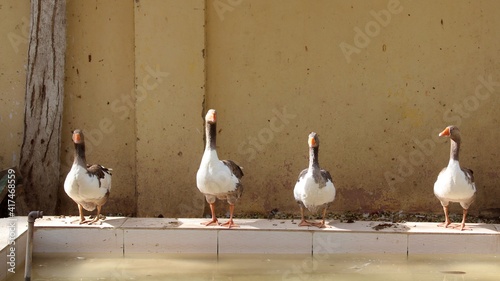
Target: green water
[{"x": 266, "y": 267}]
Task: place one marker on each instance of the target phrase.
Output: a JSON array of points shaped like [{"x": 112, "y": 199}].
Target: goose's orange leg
[
  {"x": 447, "y": 218},
  {"x": 462, "y": 224},
  {"x": 230, "y": 223},
  {"x": 322, "y": 223},
  {"x": 214, "y": 219},
  {"x": 303, "y": 221},
  {"x": 80, "y": 210}
]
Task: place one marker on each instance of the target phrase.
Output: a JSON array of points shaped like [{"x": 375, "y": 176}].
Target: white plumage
[
  {"x": 214, "y": 177},
  {"x": 314, "y": 189},
  {"x": 454, "y": 184},
  {"x": 311, "y": 195},
  {"x": 218, "y": 179},
  {"x": 84, "y": 188},
  {"x": 88, "y": 185}
]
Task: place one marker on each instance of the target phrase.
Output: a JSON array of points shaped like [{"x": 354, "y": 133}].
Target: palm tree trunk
[{"x": 40, "y": 152}]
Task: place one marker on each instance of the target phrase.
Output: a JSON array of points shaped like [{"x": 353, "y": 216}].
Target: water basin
[
  {"x": 265, "y": 267},
  {"x": 183, "y": 249}
]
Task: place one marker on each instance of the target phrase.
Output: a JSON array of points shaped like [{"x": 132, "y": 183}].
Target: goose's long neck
[
  {"x": 80, "y": 155},
  {"x": 454, "y": 149},
  {"x": 313, "y": 158},
  {"x": 211, "y": 135}
]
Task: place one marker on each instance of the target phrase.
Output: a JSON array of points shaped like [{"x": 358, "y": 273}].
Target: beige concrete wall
[
  {"x": 100, "y": 95},
  {"x": 169, "y": 38},
  {"x": 14, "y": 31},
  {"x": 369, "y": 87},
  {"x": 376, "y": 79}
]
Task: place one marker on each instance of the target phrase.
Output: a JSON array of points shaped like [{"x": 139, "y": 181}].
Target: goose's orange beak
[
  {"x": 212, "y": 117},
  {"x": 77, "y": 138},
  {"x": 445, "y": 132},
  {"x": 312, "y": 142}
]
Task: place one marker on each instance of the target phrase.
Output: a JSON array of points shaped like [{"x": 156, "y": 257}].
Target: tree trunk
[{"x": 40, "y": 152}]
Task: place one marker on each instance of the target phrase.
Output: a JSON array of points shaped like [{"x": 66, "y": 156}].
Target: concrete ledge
[
  {"x": 120, "y": 236},
  {"x": 161, "y": 241},
  {"x": 360, "y": 243},
  {"x": 78, "y": 240}
]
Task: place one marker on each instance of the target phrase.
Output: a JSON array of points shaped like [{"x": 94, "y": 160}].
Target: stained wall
[
  {"x": 376, "y": 79},
  {"x": 14, "y": 31}
]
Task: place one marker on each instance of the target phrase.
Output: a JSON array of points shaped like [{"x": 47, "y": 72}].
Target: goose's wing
[
  {"x": 98, "y": 171},
  {"x": 298, "y": 190},
  {"x": 326, "y": 175},
  {"x": 469, "y": 175},
  {"x": 302, "y": 174},
  {"x": 235, "y": 169}
]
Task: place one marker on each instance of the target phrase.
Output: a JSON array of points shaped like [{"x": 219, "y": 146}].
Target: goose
[
  {"x": 454, "y": 184},
  {"x": 314, "y": 188},
  {"x": 218, "y": 179},
  {"x": 87, "y": 185}
]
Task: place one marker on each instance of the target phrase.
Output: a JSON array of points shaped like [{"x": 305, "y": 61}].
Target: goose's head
[
  {"x": 78, "y": 136},
  {"x": 313, "y": 140},
  {"x": 450, "y": 131},
  {"x": 211, "y": 116}
]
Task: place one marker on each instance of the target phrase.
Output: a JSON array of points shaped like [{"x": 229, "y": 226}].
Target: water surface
[{"x": 266, "y": 267}]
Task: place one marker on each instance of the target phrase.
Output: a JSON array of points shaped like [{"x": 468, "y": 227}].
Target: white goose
[
  {"x": 454, "y": 184},
  {"x": 216, "y": 178},
  {"x": 87, "y": 185},
  {"x": 314, "y": 188}
]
